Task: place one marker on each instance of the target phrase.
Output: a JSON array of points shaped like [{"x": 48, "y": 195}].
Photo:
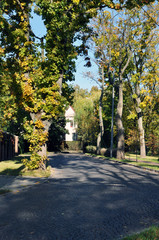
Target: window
[{"x": 71, "y": 123}]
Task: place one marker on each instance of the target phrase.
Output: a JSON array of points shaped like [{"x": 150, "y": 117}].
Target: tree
[
  {"x": 57, "y": 133},
  {"x": 150, "y": 101},
  {"x": 85, "y": 105},
  {"x": 144, "y": 40},
  {"x": 99, "y": 41},
  {"x": 120, "y": 55},
  {"x": 101, "y": 125},
  {"x": 112, "y": 47},
  {"x": 100, "y": 55},
  {"x": 34, "y": 81},
  {"x": 101, "y": 84}
]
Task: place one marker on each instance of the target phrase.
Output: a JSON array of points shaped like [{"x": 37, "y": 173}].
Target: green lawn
[
  {"x": 149, "y": 162},
  {"x": 147, "y": 158},
  {"x": 12, "y": 167},
  {"x": 15, "y": 167},
  {"x": 149, "y": 234}
]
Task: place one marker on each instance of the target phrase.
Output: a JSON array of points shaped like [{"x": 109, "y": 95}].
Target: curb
[
  {"x": 120, "y": 162},
  {"x": 143, "y": 168}
]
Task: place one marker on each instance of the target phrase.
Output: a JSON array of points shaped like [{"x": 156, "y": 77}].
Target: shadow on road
[
  {"x": 97, "y": 170},
  {"x": 89, "y": 199}
]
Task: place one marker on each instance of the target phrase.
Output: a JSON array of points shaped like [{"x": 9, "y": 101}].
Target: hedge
[{"x": 72, "y": 145}]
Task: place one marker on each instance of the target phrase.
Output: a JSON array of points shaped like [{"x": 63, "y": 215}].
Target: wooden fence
[{"x": 8, "y": 146}]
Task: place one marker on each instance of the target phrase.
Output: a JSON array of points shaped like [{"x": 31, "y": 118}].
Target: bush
[
  {"x": 103, "y": 151},
  {"x": 91, "y": 149}
]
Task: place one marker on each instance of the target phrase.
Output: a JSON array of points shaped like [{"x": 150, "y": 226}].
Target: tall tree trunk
[
  {"x": 119, "y": 123},
  {"x": 140, "y": 122},
  {"x": 112, "y": 120},
  {"x": 101, "y": 125},
  {"x": 43, "y": 150}
]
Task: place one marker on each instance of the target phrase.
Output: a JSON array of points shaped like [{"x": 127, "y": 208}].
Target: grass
[
  {"x": 37, "y": 173},
  {"x": 15, "y": 167},
  {"x": 12, "y": 167},
  {"x": 147, "y": 158},
  {"x": 149, "y": 234}
]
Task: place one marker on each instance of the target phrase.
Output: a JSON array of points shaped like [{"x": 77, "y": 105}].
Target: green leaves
[{"x": 86, "y": 106}]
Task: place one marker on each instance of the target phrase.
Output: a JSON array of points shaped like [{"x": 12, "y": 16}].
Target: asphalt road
[{"x": 86, "y": 199}]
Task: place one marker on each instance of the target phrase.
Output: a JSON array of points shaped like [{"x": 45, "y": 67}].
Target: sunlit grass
[
  {"x": 147, "y": 158},
  {"x": 146, "y": 164},
  {"x": 149, "y": 234},
  {"x": 37, "y": 173},
  {"x": 11, "y": 167},
  {"x": 15, "y": 167}
]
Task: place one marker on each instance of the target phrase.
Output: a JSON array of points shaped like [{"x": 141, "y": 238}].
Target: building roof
[{"x": 70, "y": 112}]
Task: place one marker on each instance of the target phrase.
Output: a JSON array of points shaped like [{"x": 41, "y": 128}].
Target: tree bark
[
  {"x": 140, "y": 122},
  {"x": 119, "y": 123},
  {"x": 101, "y": 125},
  {"x": 112, "y": 120},
  {"x": 59, "y": 82},
  {"x": 43, "y": 151}
]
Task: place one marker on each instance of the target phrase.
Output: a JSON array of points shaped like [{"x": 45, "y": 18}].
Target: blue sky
[{"x": 39, "y": 30}]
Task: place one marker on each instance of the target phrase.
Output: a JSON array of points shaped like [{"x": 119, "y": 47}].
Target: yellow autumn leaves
[{"x": 76, "y": 1}]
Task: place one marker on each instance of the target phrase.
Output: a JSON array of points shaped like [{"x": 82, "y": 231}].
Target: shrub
[
  {"x": 91, "y": 149},
  {"x": 153, "y": 144},
  {"x": 73, "y": 145}
]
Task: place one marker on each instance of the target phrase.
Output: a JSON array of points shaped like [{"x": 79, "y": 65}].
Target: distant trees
[{"x": 86, "y": 109}]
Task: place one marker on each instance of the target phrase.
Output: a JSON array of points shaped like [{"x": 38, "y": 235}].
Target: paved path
[{"x": 86, "y": 199}]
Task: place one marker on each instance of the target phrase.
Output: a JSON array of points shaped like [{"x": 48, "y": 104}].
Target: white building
[{"x": 70, "y": 125}]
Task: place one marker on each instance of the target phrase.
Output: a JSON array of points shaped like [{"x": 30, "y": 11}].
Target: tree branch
[
  {"x": 127, "y": 63},
  {"x": 25, "y": 16}
]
